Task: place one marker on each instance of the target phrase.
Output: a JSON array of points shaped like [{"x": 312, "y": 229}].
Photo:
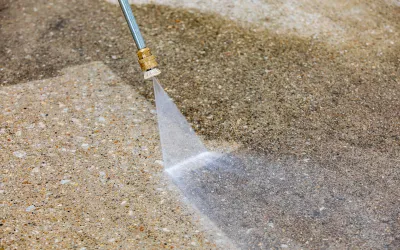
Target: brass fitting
[{"x": 146, "y": 60}]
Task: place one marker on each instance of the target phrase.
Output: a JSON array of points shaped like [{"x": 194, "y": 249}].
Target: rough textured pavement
[
  {"x": 328, "y": 101},
  {"x": 79, "y": 168}
]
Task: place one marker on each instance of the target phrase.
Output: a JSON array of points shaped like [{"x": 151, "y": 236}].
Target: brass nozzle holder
[{"x": 146, "y": 60}]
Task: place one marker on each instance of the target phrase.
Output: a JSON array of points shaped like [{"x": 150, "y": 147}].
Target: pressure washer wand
[{"x": 147, "y": 61}]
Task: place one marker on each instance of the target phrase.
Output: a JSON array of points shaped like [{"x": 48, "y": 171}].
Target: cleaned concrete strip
[
  {"x": 79, "y": 165},
  {"x": 337, "y": 21}
]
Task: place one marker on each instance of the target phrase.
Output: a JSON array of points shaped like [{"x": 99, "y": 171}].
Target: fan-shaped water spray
[{"x": 180, "y": 145}]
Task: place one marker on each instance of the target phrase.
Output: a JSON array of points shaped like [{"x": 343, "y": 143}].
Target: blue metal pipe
[{"x": 133, "y": 27}]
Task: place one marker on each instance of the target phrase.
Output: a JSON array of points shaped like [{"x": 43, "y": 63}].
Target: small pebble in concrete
[
  {"x": 65, "y": 182},
  {"x": 30, "y": 208},
  {"x": 19, "y": 154},
  {"x": 102, "y": 177},
  {"x": 36, "y": 170},
  {"x": 85, "y": 146},
  {"x": 159, "y": 162}
]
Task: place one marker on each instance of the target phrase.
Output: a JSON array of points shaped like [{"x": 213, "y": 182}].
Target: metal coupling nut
[{"x": 146, "y": 60}]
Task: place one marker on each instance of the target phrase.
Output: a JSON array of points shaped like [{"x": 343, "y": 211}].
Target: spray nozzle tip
[{"x": 151, "y": 73}]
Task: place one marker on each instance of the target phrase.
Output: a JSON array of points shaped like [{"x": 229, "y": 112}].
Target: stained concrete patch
[{"x": 80, "y": 168}]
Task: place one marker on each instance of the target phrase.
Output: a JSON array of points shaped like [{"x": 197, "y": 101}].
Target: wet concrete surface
[{"x": 261, "y": 204}]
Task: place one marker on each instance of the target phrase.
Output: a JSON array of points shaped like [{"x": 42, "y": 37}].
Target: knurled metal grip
[{"x": 146, "y": 60}]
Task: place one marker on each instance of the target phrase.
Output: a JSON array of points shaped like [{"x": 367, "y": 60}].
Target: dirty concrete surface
[{"x": 330, "y": 100}]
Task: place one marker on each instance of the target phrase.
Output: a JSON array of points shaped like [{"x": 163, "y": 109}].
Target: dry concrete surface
[
  {"x": 81, "y": 168},
  {"x": 312, "y": 86}
]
